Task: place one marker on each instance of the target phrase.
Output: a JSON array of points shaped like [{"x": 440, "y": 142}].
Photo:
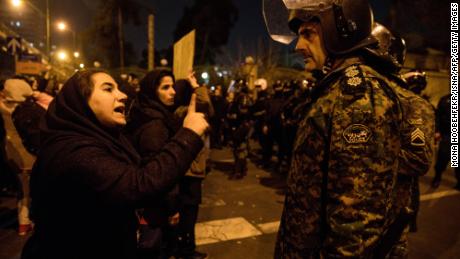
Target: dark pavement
[{"x": 239, "y": 218}]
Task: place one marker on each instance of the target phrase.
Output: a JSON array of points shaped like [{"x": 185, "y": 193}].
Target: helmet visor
[
  {"x": 277, "y": 14},
  {"x": 307, "y": 5}
]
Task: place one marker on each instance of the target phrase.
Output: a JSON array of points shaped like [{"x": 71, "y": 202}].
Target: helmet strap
[{"x": 327, "y": 67}]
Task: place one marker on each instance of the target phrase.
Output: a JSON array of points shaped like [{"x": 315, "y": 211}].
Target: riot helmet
[
  {"x": 278, "y": 86},
  {"x": 346, "y": 24},
  {"x": 289, "y": 87},
  {"x": 416, "y": 80},
  {"x": 244, "y": 104},
  {"x": 241, "y": 86},
  {"x": 261, "y": 84},
  {"x": 390, "y": 50}
]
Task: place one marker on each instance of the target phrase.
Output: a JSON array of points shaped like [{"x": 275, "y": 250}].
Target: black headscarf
[
  {"x": 69, "y": 117},
  {"x": 150, "y": 83},
  {"x": 148, "y": 106}
]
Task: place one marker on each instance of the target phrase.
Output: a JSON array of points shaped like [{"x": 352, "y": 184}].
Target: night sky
[{"x": 248, "y": 29}]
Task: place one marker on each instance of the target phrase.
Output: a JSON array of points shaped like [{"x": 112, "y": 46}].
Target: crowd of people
[{"x": 119, "y": 162}]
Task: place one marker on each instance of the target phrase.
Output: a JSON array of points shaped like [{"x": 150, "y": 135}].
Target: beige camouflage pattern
[
  {"x": 417, "y": 133},
  {"x": 416, "y": 156},
  {"x": 358, "y": 121}
]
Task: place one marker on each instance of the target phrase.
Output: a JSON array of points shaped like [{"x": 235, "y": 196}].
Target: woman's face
[
  {"x": 106, "y": 101},
  {"x": 166, "y": 91}
]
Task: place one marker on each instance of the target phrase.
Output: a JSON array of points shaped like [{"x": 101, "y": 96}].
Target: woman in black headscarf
[
  {"x": 88, "y": 180},
  {"x": 151, "y": 124}
]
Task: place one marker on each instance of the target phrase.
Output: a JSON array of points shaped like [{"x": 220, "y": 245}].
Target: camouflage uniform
[
  {"x": 290, "y": 121},
  {"x": 351, "y": 131},
  {"x": 417, "y": 137}
]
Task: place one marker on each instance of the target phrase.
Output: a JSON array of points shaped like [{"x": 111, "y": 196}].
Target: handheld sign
[{"x": 184, "y": 51}]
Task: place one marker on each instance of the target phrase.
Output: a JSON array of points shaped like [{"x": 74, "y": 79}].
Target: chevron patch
[{"x": 417, "y": 138}]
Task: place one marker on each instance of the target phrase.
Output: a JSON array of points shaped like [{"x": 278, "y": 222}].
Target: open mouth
[{"x": 120, "y": 109}]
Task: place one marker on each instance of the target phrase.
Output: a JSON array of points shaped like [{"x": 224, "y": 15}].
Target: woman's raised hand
[{"x": 195, "y": 121}]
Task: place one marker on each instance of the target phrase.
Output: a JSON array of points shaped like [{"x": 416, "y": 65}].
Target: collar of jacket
[{"x": 148, "y": 110}]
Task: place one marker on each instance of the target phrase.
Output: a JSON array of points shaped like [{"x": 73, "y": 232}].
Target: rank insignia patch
[
  {"x": 351, "y": 72},
  {"x": 357, "y": 133},
  {"x": 417, "y": 138},
  {"x": 354, "y": 81},
  {"x": 416, "y": 121}
]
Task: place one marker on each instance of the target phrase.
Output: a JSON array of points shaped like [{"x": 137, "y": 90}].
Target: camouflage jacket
[
  {"x": 417, "y": 130},
  {"x": 351, "y": 130},
  {"x": 417, "y": 136}
]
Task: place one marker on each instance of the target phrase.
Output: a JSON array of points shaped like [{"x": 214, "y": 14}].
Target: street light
[
  {"x": 18, "y": 3},
  {"x": 76, "y": 54},
  {"x": 62, "y": 55},
  {"x": 62, "y": 26}
]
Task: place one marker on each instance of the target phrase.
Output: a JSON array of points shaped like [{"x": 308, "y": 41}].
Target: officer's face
[{"x": 311, "y": 46}]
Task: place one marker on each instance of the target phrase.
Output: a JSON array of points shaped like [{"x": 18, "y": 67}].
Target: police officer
[
  {"x": 273, "y": 128},
  {"x": 417, "y": 133},
  {"x": 416, "y": 82},
  {"x": 345, "y": 159},
  {"x": 258, "y": 111},
  {"x": 240, "y": 112}
]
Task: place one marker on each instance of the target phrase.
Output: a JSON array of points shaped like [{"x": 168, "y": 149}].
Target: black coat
[
  {"x": 151, "y": 125},
  {"x": 88, "y": 181},
  {"x": 26, "y": 119}
]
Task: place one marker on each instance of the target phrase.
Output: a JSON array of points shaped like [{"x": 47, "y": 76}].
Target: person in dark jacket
[
  {"x": 273, "y": 128},
  {"x": 258, "y": 113},
  {"x": 88, "y": 179},
  {"x": 26, "y": 119},
  {"x": 190, "y": 186},
  {"x": 151, "y": 125},
  {"x": 241, "y": 131},
  {"x": 219, "y": 104}
]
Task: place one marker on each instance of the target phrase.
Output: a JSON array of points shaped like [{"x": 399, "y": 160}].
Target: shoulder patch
[
  {"x": 353, "y": 82},
  {"x": 351, "y": 71},
  {"x": 416, "y": 121},
  {"x": 357, "y": 134},
  {"x": 417, "y": 138}
]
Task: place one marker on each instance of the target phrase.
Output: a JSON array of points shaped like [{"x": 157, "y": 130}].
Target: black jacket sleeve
[
  {"x": 26, "y": 119},
  {"x": 116, "y": 182},
  {"x": 151, "y": 139}
]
